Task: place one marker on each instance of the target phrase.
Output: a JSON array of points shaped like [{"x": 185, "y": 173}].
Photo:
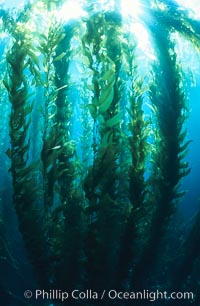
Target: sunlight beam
[
  {"x": 70, "y": 10},
  {"x": 131, "y": 8}
]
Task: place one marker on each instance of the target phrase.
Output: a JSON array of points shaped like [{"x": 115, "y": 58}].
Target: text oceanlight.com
[{"x": 112, "y": 294}]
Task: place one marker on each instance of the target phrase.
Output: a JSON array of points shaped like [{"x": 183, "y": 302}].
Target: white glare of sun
[
  {"x": 193, "y": 7},
  {"x": 143, "y": 41},
  {"x": 70, "y": 10},
  {"x": 131, "y": 8}
]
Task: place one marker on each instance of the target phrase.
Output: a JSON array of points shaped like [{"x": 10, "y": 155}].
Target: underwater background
[{"x": 99, "y": 151}]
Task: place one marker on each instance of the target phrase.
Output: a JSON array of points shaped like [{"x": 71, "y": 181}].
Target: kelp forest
[{"x": 94, "y": 150}]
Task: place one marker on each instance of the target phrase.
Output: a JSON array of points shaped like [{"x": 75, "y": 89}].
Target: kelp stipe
[
  {"x": 70, "y": 269},
  {"x": 64, "y": 112},
  {"x": 104, "y": 212},
  {"x": 168, "y": 161},
  {"x": 25, "y": 194},
  {"x": 138, "y": 129},
  {"x": 47, "y": 46},
  {"x": 176, "y": 19},
  {"x": 62, "y": 202}
]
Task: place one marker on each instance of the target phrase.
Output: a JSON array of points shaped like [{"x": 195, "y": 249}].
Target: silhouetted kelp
[{"x": 96, "y": 221}]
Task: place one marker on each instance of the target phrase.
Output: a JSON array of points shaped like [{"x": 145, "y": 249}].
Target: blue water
[{"x": 191, "y": 200}]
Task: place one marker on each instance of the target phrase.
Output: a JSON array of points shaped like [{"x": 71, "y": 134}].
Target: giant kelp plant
[{"x": 97, "y": 147}]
